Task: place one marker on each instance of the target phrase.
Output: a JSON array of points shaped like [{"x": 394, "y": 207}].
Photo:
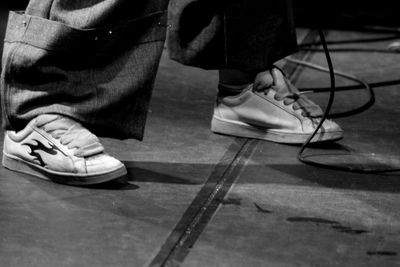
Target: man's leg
[
  {"x": 93, "y": 61},
  {"x": 69, "y": 66},
  {"x": 243, "y": 39}
]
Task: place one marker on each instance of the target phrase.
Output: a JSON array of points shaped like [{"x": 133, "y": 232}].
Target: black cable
[
  {"x": 353, "y": 41},
  {"x": 330, "y": 102},
  {"x": 354, "y": 49},
  {"x": 304, "y": 158},
  {"x": 350, "y": 87},
  {"x": 362, "y": 84},
  {"x": 365, "y": 85}
]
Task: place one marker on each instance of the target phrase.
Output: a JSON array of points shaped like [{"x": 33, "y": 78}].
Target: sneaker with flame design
[{"x": 59, "y": 149}]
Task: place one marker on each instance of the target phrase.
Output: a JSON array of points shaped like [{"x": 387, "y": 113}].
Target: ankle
[
  {"x": 235, "y": 77},
  {"x": 233, "y": 82},
  {"x": 231, "y": 90}
]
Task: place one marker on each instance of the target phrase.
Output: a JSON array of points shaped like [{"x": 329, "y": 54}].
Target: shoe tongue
[
  {"x": 72, "y": 133},
  {"x": 281, "y": 84},
  {"x": 275, "y": 80},
  {"x": 263, "y": 81}
]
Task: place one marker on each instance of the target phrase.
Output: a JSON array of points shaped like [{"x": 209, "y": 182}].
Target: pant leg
[
  {"x": 248, "y": 35},
  {"x": 94, "y": 61}
]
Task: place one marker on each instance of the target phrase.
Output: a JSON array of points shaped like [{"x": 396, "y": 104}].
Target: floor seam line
[{"x": 178, "y": 252}]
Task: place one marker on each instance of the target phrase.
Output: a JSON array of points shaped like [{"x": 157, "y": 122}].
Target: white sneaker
[
  {"x": 272, "y": 109},
  {"x": 59, "y": 149}
]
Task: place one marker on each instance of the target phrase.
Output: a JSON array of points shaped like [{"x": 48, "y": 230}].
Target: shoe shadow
[
  {"x": 150, "y": 172},
  {"x": 158, "y": 172},
  {"x": 335, "y": 165},
  {"x": 124, "y": 197},
  {"x": 118, "y": 184},
  {"x": 342, "y": 180}
]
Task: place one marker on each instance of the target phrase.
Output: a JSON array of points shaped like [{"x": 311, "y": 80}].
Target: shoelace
[
  {"x": 71, "y": 134},
  {"x": 285, "y": 91}
]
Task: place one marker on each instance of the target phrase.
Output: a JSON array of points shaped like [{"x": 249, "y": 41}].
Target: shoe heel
[{"x": 19, "y": 166}]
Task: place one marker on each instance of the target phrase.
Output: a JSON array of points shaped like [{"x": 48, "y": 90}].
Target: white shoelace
[
  {"x": 286, "y": 91},
  {"x": 71, "y": 134}
]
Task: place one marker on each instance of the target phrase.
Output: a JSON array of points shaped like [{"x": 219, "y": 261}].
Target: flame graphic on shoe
[{"x": 52, "y": 150}]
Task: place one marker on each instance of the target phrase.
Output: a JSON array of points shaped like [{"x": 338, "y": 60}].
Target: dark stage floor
[{"x": 194, "y": 198}]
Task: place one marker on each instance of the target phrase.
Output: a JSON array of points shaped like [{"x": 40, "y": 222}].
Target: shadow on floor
[
  {"x": 388, "y": 182},
  {"x": 383, "y": 182}
]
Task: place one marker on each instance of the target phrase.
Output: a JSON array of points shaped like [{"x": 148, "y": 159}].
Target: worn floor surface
[{"x": 193, "y": 198}]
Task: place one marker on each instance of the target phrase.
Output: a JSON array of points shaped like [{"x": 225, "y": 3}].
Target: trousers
[{"x": 96, "y": 60}]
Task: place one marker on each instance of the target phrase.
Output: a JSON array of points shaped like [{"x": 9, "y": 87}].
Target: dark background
[
  {"x": 346, "y": 14},
  {"x": 339, "y": 14},
  {"x": 333, "y": 13}
]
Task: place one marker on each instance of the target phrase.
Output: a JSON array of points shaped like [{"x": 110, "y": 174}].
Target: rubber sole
[
  {"x": 19, "y": 165},
  {"x": 228, "y": 127}
]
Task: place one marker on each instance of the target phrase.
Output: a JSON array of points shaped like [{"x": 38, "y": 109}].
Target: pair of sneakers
[{"x": 60, "y": 149}]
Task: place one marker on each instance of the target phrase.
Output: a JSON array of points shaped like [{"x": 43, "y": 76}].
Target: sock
[
  {"x": 231, "y": 90},
  {"x": 233, "y": 82}
]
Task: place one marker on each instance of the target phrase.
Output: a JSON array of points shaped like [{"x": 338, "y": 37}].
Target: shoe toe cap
[
  {"x": 331, "y": 126},
  {"x": 103, "y": 163},
  {"x": 328, "y": 126}
]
